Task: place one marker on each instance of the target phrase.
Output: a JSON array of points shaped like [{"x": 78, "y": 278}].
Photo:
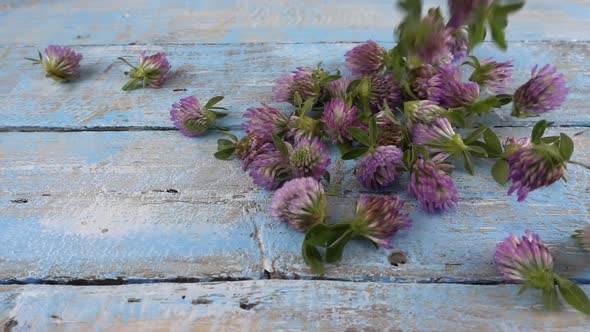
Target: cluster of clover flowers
[{"x": 396, "y": 113}]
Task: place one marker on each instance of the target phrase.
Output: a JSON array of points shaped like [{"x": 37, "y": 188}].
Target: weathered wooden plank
[
  {"x": 108, "y": 205},
  {"x": 286, "y": 306},
  {"x": 243, "y": 73},
  {"x": 455, "y": 246},
  {"x": 116, "y": 22},
  {"x": 95, "y": 209}
]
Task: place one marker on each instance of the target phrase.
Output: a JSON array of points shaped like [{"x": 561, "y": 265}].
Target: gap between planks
[
  {"x": 489, "y": 43},
  {"x": 42, "y": 129}
]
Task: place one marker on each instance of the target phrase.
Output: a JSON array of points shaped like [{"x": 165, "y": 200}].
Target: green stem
[
  {"x": 131, "y": 84},
  {"x": 35, "y": 61},
  {"x": 127, "y": 62},
  {"x": 220, "y": 128},
  {"x": 579, "y": 164},
  {"x": 342, "y": 236}
]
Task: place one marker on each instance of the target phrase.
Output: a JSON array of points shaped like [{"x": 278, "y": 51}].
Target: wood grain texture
[
  {"x": 103, "y": 205},
  {"x": 228, "y": 21},
  {"x": 284, "y": 306},
  {"x": 243, "y": 73},
  {"x": 108, "y": 205}
]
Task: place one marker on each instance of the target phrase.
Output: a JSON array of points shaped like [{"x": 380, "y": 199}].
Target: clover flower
[
  {"x": 543, "y": 93},
  {"x": 432, "y": 186},
  {"x": 309, "y": 158},
  {"x": 378, "y": 218},
  {"x": 512, "y": 145},
  {"x": 430, "y": 83},
  {"x": 190, "y": 118},
  {"x": 438, "y": 137},
  {"x": 337, "y": 119},
  {"x": 365, "y": 59},
  {"x": 248, "y": 148},
  {"x": 301, "y": 203},
  {"x": 457, "y": 94},
  {"x": 533, "y": 167},
  {"x": 432, "y": 46},
  {"x": 265, "y": 121},
  {"x": 524, "y": 259},
  {"x": 389, "y": 132},
  {"x": 152, "y": 71},
  {"x": 378, "y": 169},
  {"x": 423, "y": 111},
  {"x": 338, "y": 89},
  {"x": 384, "y": 88},
  {"x": 270, "y": 168},
  {"x": 302, "y": 126},
  {"x": 463, "y": 11},
  {"x": 61, "y": 63},
  {"x": 493, "y": 76},
  {"x": 300, "y": 81},
  {"x": 459, "y": 44}
]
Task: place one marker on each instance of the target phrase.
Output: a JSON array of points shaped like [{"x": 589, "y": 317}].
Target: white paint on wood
[
  {"x": 98, "y": 208},
  {"x": 244, "y": 74},
  {"x": 285, "y": 306}
]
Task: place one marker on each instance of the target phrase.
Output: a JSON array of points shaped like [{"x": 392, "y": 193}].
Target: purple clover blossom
[
  {"x": 429, "y": 82},
  {"x": 378, "y": 218},
  {"x": 190, "y": 117},
  {"x": 270, "y": 168},
  {"x": 248, "y": 148},
  {"x": 438, "y": 137},
  {"x": 338, "y": 89},
  {"x": 378, "y": 169},
  {"x": 533, "y": 167},
  {"x": 389, "y": 132},
  {"x": 309, "y": 158},
  {"x": 458, "y": 94},
  {"x": 433, "y": 46},
  {"x": 512, "y": 145},
  {"x": 152, "y": 71},
  {"x": 365, "y": 59},
  {"x": 493, "y": 76},
  {"x": 384, "y": 88},
  {"x": 265, "y": 121},
  {"x": 423, "y": 111},
  {"x": 432, "y": 186},
  {"x": 543, "y": 93},
  {"x": 300, "y": 81},
  {"x": 523, "y": 260},
  {"x": 156, "y": 68},
  {"x": 60, "y": 63},
  {"x": 337, "y": 119},
  {"x": 459, "y": 44},
  {"x": 301, "y": 203},
  {"x": 463, "y": 11}
]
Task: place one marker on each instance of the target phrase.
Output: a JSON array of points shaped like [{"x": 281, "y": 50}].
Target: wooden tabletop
[{"x": 111, "y": 220}]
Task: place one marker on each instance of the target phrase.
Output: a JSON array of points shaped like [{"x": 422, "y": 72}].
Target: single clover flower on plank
[
  {"x": 193, "y": 119},
  {"x": 528, "y": 261},
  {"x": 61, "y": 63},
  {"x": 301, "y": 203},
  {"x": 152, "y": 71},
  {"x": 432, "y": 186},
  {"x": 544, "y": 92}
]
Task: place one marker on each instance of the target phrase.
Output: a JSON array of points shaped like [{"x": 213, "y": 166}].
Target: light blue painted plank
[
  {"x": 121, "y": 22},
  {"x": 457, "y": 246},
  {"x": 129, "y": 205},
  {"x": 243, "y": 73},
  {"x": 96, "y": 210},
  {"x": 288, "y": 305}
]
